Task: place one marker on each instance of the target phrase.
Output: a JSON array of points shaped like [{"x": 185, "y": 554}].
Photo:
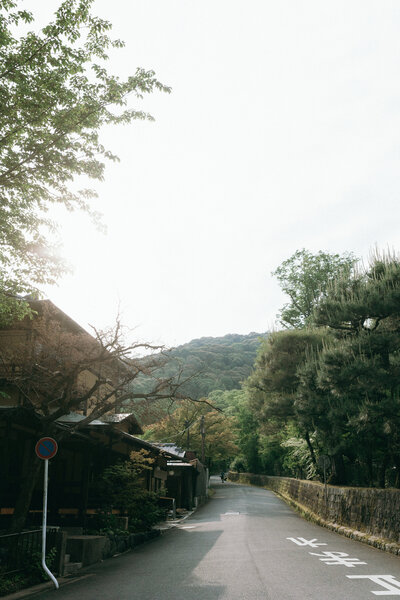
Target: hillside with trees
[
  {"x": 219, "y": 363},
  {"x": 215, "y": 368},
  {"x": 323, "y": 390},
  {"x": 203, "y": 366}
]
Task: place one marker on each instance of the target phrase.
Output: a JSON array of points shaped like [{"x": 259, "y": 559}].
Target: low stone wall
[
  {"x": 90, "y": 549},
  {"x": 117, "y": 543},
  {"x": 367, "y": 514},
  {"x": 86, "y": 549}
]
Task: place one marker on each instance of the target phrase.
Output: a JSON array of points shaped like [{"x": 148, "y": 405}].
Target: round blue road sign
[{"x": 46, "y": 448}]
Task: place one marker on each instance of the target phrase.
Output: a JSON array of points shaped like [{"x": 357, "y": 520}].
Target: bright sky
[{"x": 281, "y": 132}]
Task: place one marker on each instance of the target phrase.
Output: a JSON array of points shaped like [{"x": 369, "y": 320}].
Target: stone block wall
[
  {"x": 86, "y": 549},
  {"x": 370, "y": 511}
]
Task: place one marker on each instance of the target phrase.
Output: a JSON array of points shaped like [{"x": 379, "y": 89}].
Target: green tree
[
  {"x": 120, "y": 487},
  {"x": 185, "y": 422},
  {"x": 248, "y": 438},
  {"x": 351, "y": 389},
  {"x": 235, "y": 403},
  {"x": 55, "y": 96},
  {"x": 229, "y": 401},
  {"x": 332, "y": 386},
  {"x": 305, "y": 278},
  {"x": 272, "y": 389}
]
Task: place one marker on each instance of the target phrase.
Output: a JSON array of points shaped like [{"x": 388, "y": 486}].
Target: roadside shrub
[
  {"x": 32, "y": 573},
  {"x": 239, "y": 465},
  {"x": 33, "y": 566},
  {"x": 143, "y": 510},
  {"x": 120, "y": 487},
  {"x": 12, "y": 583},
  {"x": 104, "y": 522}
]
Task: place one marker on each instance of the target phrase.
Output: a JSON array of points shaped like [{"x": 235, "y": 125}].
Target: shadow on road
[{"x": 161, "y": 570}]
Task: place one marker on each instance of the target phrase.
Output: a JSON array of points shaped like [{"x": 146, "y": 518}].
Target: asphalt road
[{"x": 245, "y": 544}]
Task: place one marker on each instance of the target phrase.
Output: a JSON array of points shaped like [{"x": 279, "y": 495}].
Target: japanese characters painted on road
[
  {"x": 338, "y": 558},
  {"x": 386, "y": 581},
  {"x": 46, "y": 448},
  {"x": 300, "y": 541}
]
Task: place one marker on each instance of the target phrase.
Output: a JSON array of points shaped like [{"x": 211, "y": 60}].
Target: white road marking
[
  {"x": 386, "y": 581},
  {"x": 302, "y": 542},
  {"x": 338, "y": 558}
]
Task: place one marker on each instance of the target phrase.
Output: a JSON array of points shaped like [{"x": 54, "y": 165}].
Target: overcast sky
[{"x": 281, "y": 132}]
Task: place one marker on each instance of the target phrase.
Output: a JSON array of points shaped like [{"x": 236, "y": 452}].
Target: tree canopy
[
  {"x": 333, "y": 389},
  {"x": 208, "y": 364},
  {"x": 184, "y": 423},
  {"x": 55, "y": 96},
  {"x": 305, "y": 278}
]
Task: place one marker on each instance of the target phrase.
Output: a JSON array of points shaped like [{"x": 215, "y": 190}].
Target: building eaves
[
  {"x": 74, "y": 418},
  {"x": 172, "y": 449}
]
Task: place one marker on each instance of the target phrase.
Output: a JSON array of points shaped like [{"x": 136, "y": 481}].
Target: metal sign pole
[
  {"x": 44, "y": 524},
  {"x": 45, "y": 449}
]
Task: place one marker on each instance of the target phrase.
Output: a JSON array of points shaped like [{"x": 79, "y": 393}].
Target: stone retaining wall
[{"x": 367, "y": 514}]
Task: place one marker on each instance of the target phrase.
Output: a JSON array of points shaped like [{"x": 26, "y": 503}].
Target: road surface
[{"x": 245, "y": 544}]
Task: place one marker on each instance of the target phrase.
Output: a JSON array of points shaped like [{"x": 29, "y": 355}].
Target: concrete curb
[{"x": 40, "y": 587}]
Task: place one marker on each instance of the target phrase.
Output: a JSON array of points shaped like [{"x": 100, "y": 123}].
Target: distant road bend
[{"x": 245, "y": 544}]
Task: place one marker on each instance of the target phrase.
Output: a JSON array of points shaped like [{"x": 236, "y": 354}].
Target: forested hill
[
  {"x": 220, "y": 362},
  {"x": 208, "y": 364}
]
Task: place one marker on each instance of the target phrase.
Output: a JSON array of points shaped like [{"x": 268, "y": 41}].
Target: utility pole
[
  {"x": 187, "y": 425},
  {"x": 203, "y": 440}
]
